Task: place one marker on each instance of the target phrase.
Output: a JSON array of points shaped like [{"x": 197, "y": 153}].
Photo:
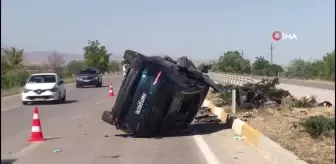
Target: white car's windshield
[
  {"x": 42, "y": 79},
  {"x": 88, "y": 71}
]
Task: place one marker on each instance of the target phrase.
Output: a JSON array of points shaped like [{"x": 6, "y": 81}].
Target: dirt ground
[{"x": 283, "y": 127}]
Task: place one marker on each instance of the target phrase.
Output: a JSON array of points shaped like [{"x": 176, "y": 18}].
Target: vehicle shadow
[
  {"x": 197, "y": 129},
  {"x": 204, "y": 123},
  {"x": 194, "y": 129},
  {"x": 7, "y": 161},
  {"x": 52, "y": 138},
  {"x": 52, "y": 103}
]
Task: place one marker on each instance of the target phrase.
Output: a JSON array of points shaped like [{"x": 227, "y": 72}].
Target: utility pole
[
  {"x": 271, "y": 53},
  {"x": 242, "y": 54}
]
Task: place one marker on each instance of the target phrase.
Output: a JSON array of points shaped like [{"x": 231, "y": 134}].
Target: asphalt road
[{"x": 75, "y": 128}]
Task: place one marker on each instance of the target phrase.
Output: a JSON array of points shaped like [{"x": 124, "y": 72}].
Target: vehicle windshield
[
  {"x": 42, "y": 79},
  {"x": 88, "y": 71}
]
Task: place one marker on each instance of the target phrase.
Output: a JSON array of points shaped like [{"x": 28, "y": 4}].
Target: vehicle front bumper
[
  {"x": 90, "y": 82},
  {"x": 44, "y": 96}
]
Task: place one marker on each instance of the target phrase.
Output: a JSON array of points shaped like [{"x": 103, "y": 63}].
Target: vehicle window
[
  {"x": 88, "y": 71},
  {"x": 42, "y": 79}
]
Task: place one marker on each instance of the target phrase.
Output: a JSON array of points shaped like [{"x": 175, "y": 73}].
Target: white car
[{"x": 43, "y": 87}]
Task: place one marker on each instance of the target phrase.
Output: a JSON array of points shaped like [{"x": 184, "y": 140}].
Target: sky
[{"x": 195, "y": 28}]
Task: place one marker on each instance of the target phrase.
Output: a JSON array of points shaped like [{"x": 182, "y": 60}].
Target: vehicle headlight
[
  {"x": 25, "y": 90},
  {"x": 79, "y": 78},
  {"x": 96, "y": 78},
  {"x": 55, "y": 89}
]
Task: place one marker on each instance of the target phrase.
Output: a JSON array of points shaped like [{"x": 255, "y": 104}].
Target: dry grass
[{"x": 283, "y": 127}]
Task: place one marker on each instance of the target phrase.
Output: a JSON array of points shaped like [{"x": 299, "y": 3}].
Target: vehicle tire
[
  {"x": 24, "y": 103},
  {"x": 129, "y": 55},
  {"x": 63, "y": 98},
  {"x": 78, "y": 86},
  {"x": 59, "y": 100},
  {"x": 98, "y": 85}
]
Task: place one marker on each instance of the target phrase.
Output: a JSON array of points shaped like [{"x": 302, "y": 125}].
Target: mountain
[{"x": 41, "y": 57}]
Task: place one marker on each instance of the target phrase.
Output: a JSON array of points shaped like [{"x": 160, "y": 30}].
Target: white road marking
[
  {"x": 209, "y": 156},
  {"x": 27, "y": 149}
]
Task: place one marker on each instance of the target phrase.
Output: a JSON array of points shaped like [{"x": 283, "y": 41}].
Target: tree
[
  {"x": 12, "y": 58},
  {"x": 73, "y": 67},
  {"x": 329, "y": 66},
  {"x": 274, "y": 69},
  {"x": 56, "y": 61},
  {"x": 12, "y": 72},
  {"x": 96, "y": 55},
  {"x": 298, "y": 68},
  {"x": 260, "y": 63},
  {"x": 262, "y": 67},
  {"x": 231, "y": 61}
]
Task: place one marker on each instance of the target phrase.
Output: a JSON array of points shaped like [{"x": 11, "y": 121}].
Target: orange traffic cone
[
  {"x": 36, "y": 133},
  {"x": 111, "y": 93}
]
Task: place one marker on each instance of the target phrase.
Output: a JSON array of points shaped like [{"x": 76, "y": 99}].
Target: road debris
[
  {"x": 263, "y": 94},
  {"x": 57, "y": 151},
  {"x": 239, "y": 137},
  {"x": 110, "y": 156}
]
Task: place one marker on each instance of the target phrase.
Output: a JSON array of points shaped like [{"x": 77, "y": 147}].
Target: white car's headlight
[
  {"x": 25, "y": 90},
  {"x": 55, "y": 89}
]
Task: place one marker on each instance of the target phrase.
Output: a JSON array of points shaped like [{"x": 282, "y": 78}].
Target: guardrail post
[{"x": 233, "y": 106}]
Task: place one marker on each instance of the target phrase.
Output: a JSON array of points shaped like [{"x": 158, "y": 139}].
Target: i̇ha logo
[{"x": 277, "y": 35}]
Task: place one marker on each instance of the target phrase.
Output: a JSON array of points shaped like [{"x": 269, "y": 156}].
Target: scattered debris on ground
[
  {"x": 57, "y": 151},
  {"x": 302, "y": 125},
  {"x": 263, "y": 94},
  {"x": 204, "y": 115}
]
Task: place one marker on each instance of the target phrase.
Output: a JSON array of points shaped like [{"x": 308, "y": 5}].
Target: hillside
[{"x": 41, "y": 57}]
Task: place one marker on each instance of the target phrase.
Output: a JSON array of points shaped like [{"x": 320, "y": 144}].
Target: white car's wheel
[
  {"x": 59, "y": 99},
  {"x": 64, "y": 98}
]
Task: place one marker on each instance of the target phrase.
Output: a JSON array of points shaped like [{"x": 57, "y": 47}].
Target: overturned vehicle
[{"x": 158, "y": 94}]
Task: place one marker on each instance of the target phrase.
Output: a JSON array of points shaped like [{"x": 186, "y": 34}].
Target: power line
[{"x": 271, "y": 58}]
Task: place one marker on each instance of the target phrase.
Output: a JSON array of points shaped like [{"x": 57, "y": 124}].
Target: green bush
[
  {"x": 319, "y": 125},
  {"x": 13, "y": 79}
]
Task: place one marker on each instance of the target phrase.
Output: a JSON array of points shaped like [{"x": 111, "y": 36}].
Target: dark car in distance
[{"x": 89, "y": 76}]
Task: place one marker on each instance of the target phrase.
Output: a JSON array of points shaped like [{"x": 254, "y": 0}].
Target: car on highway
[
  {"x": 89, "y": 76},
  {"x": 43, "y": 87}
]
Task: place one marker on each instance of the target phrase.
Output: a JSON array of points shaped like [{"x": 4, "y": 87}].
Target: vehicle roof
[{"x": 43, "y": 74}]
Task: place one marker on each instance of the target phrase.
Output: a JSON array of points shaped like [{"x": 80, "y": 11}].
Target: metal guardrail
[{"x": 230, "y": 79}]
